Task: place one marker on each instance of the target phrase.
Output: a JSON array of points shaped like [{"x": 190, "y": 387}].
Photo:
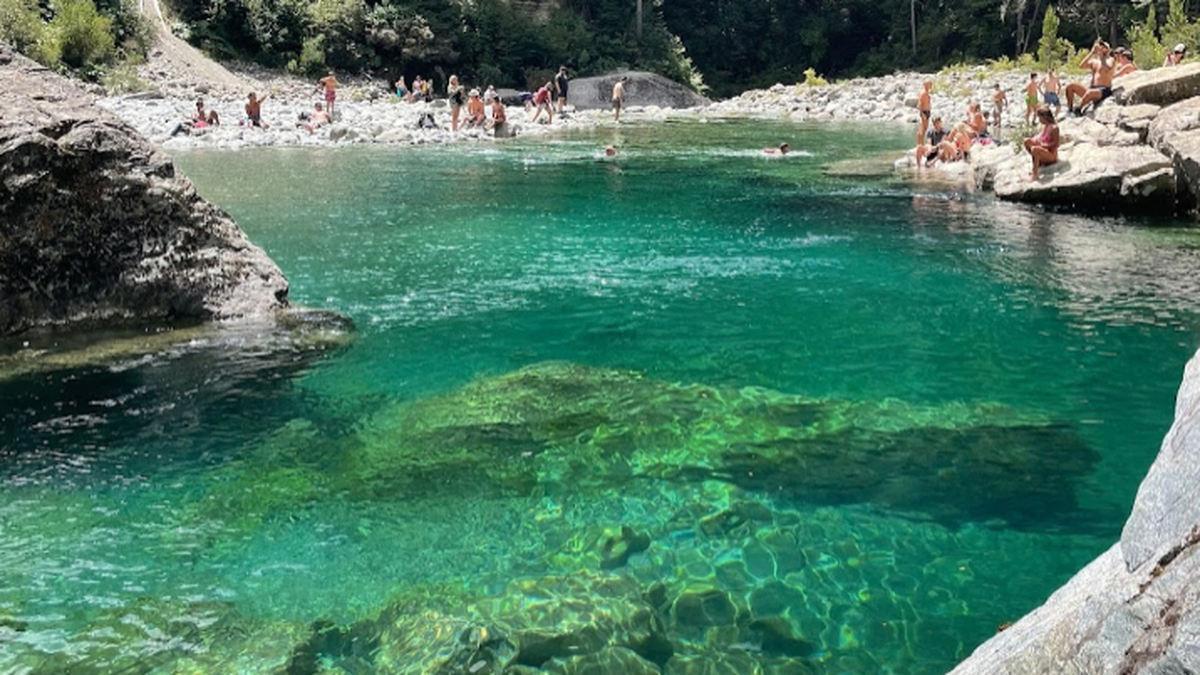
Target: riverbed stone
[
  {"x": 96, "y": 225},
  {"x": 1159, "y": 86},
  {"x": 1090, "y": 177},
  {"x": 642, "y": 89}
]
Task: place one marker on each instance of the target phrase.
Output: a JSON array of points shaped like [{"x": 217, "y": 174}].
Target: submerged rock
[
  {"x": 555, "y": 425},
  {"x": 96, "y": 225}
]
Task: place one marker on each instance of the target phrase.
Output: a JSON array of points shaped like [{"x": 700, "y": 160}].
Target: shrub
[
  {"x": 84, "y": 36},
  {"x": 20, "y": 24},
  {"x": 812, "y": 79},
  {"x": 1051, "y": 50},
  {"x": 312, "y": 58},
  {"x": 1147, "y": 50},
  {"x": 122, "y": 79}
]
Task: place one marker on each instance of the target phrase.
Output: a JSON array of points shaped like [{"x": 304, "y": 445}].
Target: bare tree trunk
[
  {"x": 912, "y": 20},
  {"x": 639, "y": 20}
]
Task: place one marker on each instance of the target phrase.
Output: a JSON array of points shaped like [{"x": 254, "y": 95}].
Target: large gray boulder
[
  {"x": 642, "y": 89},
  {"x": 1161, "y": 86},
  {"x": 1175, "y": 132},
  {"x": 96, "y": 225},
  {"x": 1136, "y": 608},
  {"x": 1092, "y": 177}
]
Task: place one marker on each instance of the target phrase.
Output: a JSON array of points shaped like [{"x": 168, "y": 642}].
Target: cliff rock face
[
  {"x": 96, "y": 225},
  {"x": 1136, "y": 608},
  {"x": 642, "y": 89}
]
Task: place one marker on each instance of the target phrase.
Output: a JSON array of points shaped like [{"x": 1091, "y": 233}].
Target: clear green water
[{"x": 927, "y": 333}]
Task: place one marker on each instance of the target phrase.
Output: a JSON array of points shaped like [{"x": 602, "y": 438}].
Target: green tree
[
  {"x": 1049, "y": 53},
  {"x": 1143, "y": 40},
  {"x": 22, "y": 27},
  {"x": 1177, "y": 27},
  {"x": 84, "y": 36}
]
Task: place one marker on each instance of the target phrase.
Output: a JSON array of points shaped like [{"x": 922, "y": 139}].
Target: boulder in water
[{"x": 642, "y": 89}]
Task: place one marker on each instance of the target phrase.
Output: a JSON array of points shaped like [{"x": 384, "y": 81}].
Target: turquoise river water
[{"x": 687, "y": 410}]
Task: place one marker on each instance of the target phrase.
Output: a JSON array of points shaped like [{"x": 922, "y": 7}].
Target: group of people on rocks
[
  {"x": 1041, "y": 93},
  {"x": 484, "y": 111}
]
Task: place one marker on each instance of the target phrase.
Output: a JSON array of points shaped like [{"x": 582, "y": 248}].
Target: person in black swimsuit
[{"x": 560, "y": 86}]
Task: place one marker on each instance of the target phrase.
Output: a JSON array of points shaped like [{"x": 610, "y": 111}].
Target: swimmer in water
[
  {"x": 610, "y": 151},
  {"x": 783, "y": 149}
]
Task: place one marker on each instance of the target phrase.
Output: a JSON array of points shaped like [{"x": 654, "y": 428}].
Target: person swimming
[{"x": 783, "y": 149}]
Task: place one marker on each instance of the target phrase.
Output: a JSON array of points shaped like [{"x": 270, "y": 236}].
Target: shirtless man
[
  {"x": 999, "y": 103},
  {"x": 475, "y": 109},
  {"x": 329, "y": 84},
  {"x": 1103, "y": 67},
  {"x": 930, "y": 149},
  {"x": 318, "y": 119},
  {"x": 254, "y": 111},
  {"x": 618, "y": 98},
  {"x": 498, "y": 116},
  {"x": 1050, "y": 87},
  {"x": 925, "y": 108},
  {"x": 1031, "y": 98}
]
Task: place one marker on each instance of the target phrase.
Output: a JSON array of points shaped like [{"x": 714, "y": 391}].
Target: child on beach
[
  {"x": 1050, "y": 86},
  {"x": 1031, "y": 97},
  {"x": 999, "y": 103}
]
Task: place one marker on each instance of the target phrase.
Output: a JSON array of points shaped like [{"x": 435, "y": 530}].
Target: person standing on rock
[
  {"x": 329, "y": 84},
  {"x": 254, "y": 111},
  {"x": 457, "y": 98},
  {"x": 560, "y": 87},
  {"x": 1050, "y": 86},
  {"x": 618, "y": 98},
  {"x": 1031, "y": 98},
  {"x": 1043, "y": 148},
  {"x": 925, "y": 109},
  {"x": 999, "y": 103}
]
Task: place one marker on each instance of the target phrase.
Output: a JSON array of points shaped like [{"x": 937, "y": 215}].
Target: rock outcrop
[
  {"x": 642, "y": 89},
  {"x": 1133, "y": 609},
  {"x": 96, "y": 225}
]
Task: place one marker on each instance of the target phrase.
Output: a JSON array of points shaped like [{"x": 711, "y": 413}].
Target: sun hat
[
  {"x": 474, "y": 92},
  {"x": 1180, "y": 48}
]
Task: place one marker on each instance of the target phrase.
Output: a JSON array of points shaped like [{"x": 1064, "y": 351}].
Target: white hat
[{"x": 1180, "y": 48}]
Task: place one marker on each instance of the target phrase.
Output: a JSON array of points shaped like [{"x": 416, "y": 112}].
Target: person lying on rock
[
  {"x": 1103, "y": 67},
  {"x": 254, "y": 111},
  {"x": 1043, "y": 148}
]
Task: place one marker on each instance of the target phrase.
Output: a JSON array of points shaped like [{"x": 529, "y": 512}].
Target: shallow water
[{"x": 945, "y": 403}]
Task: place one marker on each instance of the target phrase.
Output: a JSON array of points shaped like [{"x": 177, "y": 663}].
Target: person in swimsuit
[
  {"x": 1102, "y": 66},
  {"x": 1125, "y": 64},
  {"x": 1031, "y": 98},
  {"x": 329, "y": 84},
  {"x": 402, "y": 90},
  {"x": 498, "y": 115},
  {"x": 618, "y": 98},
  {"x": 783, "y": 149},
  {"x": 317, "y": 119},
  {"x": 925, "y": 109},
  {"x": 1043, "y": 148},
  {"x": 254, "y": 111},
  {"x": 929, "y": 151},
  {"x": 1049, "y": 90},
  {"x": 541, "y": 101},
  {"x": 1176, "y": 55},
  {"x": 475, "y": 109},
  {"x": 999, "y": 103},
  {"x": 202, "y": 118},
  {"x": 561, "y": 84},
  {"x": 457, "y": 97}
]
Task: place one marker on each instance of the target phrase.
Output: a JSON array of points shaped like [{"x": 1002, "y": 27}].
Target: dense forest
[{"x": 719, "y": 46}]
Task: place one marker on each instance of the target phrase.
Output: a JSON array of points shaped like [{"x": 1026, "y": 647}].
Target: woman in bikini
[{"x": 1043, "y": 148}]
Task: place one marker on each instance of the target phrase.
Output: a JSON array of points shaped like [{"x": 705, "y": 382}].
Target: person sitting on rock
[
  {"x": 1103, "y": 67},
  {"x": 1175, "y": 56},
  {"x": 1043, "y": 148},
  {"x": 254, "y": 111},
  {"x": 1125, "y": 64},
  {"x": 475, "y": 110},
  {"x": 318, "y": 119},
  {"x": 499, "y": 118},
  {"x": 929, "y": 151},
  {"x": 202, "y": 118}
]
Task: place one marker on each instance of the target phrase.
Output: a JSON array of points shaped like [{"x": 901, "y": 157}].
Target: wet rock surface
[{"x": 96, "y": 225}]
